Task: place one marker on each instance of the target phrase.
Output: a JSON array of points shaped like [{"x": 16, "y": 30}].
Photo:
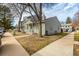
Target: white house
[
  {"x": 49, "y": 26},
  {"x": 66, "y": 27}
]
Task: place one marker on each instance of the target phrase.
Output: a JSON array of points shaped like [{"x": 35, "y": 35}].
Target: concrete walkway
[
  {"x": 10, "y": 46},
  {"x": 22, "y": 36},
  {"x": 61, "y": 47}
]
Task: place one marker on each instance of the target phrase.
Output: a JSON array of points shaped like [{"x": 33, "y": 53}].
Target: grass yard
[
  {"x": 76, "y": 47},
  {"x": 34, "y": 43},
  {"x": 76, "y": 36}
]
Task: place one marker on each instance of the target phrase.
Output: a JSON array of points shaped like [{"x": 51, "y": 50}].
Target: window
[
  {"x": 27, "y": 26},
  {"x": 66, "y": 26}
]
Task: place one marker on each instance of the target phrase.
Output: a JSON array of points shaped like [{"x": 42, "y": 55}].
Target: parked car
[
  {"x": 0, "y": 41},
  {"x": 1, "y": 33}
]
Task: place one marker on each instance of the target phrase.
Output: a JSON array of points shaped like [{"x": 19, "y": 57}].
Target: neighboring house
[
  {"x": 49, "y": 26},
  {"x": 66, "y": 27}
]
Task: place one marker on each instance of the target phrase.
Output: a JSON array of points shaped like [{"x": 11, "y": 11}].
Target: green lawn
[{"x": 76, "y": 36}]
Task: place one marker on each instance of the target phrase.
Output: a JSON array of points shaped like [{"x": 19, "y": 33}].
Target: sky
[{"x": 62, "y": 11}]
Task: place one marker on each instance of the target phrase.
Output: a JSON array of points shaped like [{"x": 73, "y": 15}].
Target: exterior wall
[
  {"x": 35, "y": 28},
  {"x": 52, "y": 26},
  {"x": 26, "y": 27}
]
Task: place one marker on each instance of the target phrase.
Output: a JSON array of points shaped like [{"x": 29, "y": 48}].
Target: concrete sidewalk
[
  {"x": 61, "y": 47},
  {"x": 10, "y": 46}
]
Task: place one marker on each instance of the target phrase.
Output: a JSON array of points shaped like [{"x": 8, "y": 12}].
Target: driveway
[
  {"x": 61, "y": 47},
  {"x": 10, "y": 46}
]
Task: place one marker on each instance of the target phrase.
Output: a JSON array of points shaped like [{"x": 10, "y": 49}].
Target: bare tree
[
  {"x": 75, "y": 21},
  {"x": 30, "y": 8},
  {"x": 77, "y": 18},
  {"x": 37, "y": 9},
  {"x": 33, "y": 8},
  {"x": 18, "y": 10}
]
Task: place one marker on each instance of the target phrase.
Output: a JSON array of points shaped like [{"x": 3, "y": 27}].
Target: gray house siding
[
  {"x": 49, "y": 26},
  {"x": 52, "y": 26}
]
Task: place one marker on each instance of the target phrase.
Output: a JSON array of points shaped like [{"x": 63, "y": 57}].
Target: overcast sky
[{"x": 61, "y": 10}]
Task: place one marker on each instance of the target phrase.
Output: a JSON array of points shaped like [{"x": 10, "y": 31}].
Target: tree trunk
[
  {"x": 19, "y": 23},
  {"x": 39, "y": 16},
  {"x": 40, "y": 20},
  {"x": 40, "y": 29}
]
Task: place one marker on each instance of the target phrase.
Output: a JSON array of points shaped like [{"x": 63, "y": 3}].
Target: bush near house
[
  {"x": 33, "y": 43},
  {"x": 16, "y": 33}
]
